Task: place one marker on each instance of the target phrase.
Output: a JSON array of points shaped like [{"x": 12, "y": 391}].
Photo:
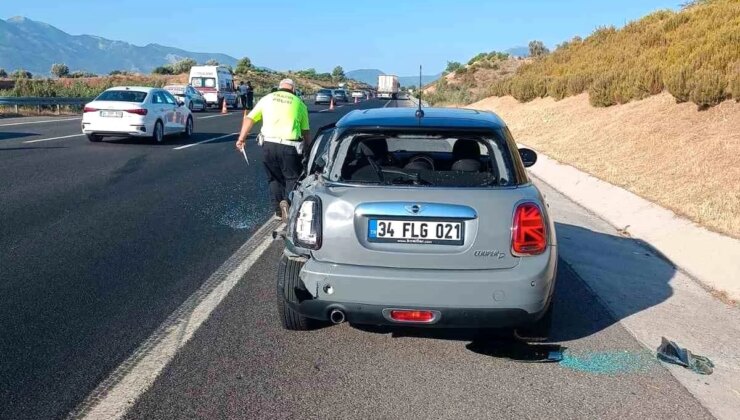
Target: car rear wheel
[
  {"x": 94, "y": 138},
  {"x": 158, "y": 133},
  {"x": 287, "y": 284},
  {"x": 188, "y": 128}
]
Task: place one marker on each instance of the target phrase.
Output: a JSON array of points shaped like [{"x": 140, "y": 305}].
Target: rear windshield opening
[
  {"x": 200, "y": 82},
  {"x": 434, "y": 161},
  {"x": 122, "y": 96},
  {"x": 325, "y": 91}
]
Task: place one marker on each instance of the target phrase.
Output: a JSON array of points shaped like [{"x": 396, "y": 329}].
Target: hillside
[
  {"x": 694, "y": 54},
  {"x": 471, "y": 82},
  {"x": 35, "y": 46}
]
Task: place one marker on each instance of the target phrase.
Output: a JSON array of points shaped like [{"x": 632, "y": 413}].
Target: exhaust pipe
[{"x": 336, "y": 316}]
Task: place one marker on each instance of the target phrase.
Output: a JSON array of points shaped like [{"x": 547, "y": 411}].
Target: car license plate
[
  {"x": 111, "y": 114},
  {"x": 415, "y": 232}
]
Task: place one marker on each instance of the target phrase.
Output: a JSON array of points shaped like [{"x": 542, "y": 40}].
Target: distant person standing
[
  {"x": 243, "y": 95},
  {"x": 285, "y": 135},
  {"x": 250, "y": 95}
]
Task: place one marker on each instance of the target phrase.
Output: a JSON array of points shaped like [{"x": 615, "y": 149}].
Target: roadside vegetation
[
  {"x": 693, "y": 54},
  {"x": 65, "y": 83}
]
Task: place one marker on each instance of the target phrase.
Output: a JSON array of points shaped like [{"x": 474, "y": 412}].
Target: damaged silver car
[{"x": 418, "y": 218}]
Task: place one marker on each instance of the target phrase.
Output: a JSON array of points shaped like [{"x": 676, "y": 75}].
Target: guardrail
[{"x": 42, "y": 101}]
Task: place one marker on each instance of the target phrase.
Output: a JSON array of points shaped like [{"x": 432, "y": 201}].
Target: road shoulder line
[
  {"x": 204, "y": 141},
  {"x": 40, "y": 122},
  {"x": 53, "y": 138},
  {"x": 113, "y": 397}
]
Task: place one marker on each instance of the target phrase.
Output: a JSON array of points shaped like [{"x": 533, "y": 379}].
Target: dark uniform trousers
[{"x": 283, "y": 165}]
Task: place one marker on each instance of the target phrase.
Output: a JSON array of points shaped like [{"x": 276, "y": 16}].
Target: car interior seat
[{"x": 466, "y": 156}]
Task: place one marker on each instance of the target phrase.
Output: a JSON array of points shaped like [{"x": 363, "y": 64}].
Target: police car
[{"x": 418, "y": 218}]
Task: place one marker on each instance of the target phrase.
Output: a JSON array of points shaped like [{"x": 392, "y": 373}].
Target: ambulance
[{"x": 216, "y": 84}]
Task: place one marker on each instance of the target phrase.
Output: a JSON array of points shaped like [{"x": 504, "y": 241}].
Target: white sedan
[{"x": 136, "y": 111}]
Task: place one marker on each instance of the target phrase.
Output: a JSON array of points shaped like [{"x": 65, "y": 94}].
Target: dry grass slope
[{"x": 671, "y": 154}]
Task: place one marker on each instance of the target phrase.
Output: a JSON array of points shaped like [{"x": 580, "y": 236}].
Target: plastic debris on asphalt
[{"x": 670, "y": 352}]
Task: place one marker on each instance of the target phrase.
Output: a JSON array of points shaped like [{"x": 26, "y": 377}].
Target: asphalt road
[
  {"x": 99, "y": 243},
  {"x": 104, "y": 241}
]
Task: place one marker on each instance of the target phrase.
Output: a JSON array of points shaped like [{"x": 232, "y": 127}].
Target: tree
[
  {"x": 243, "y": 65},
  {"x": 211, "y": 62},
  {"x": 183, "y": 66},
  {"x": 537, "y": 49},
  {"x": 21, "y": 74},
  {"x": 3, "y": 73},
  {"x": 60, "y": 70},
  {"x": 338, "y": 73},
  {"x": 162, "y": 70},
  {"x": 453, "y": 66}
]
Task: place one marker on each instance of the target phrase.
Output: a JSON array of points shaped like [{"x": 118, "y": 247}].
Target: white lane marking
[
  {"x": 205, "y": 141},
  {"x": 54, "y": 138},
  {"x": 40, "y": 122},
  {"x": 120, "y": 390},
  {"x": 216, "y": 116},
  {"x": 388, "y": 103}
]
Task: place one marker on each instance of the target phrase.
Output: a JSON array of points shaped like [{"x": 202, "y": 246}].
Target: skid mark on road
[{"x": 118, "y": 393}]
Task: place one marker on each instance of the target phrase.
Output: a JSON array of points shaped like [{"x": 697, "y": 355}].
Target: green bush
[
  {"x": 651, "y": 81},
  {"x": 164, "y": 70},
  {"x": 677, "y": 79},
  {"x": 525, "y": 89},
  {"x": 602, "y": 91},
  {"x": 558, "y": 88},
  {"x": 577, "y": 84},
  {"x": 501, "y": 87},
  {"x": 733, "y": 83},
  {"x": 707, "y": 88}
]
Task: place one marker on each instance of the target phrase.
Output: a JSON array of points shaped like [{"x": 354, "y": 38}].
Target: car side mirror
[
  {"x": 529, "y": 156},
  {"x": 180, "y": 103}
]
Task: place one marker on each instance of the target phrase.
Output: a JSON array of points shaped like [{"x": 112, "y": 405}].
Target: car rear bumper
[
  {"x": 136, "y": 130},
  {"x": 464, "y": 298},
  {"x": 363, "y": 314}
]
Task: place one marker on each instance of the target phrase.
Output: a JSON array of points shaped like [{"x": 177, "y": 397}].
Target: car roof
[
  {"x": 433, "y": 117},
  {"x": 137, "y": 88}
]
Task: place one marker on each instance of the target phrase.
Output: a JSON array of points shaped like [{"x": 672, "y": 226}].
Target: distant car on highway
[
  {"x": 358, "y": 94},
  {"x": 136, "y": 111},
  {"x": 340, "y": 95},
  {"x": 193, "y": 99},
  {"x": 323, "y": 96},
  {"x": 418, "y": 221}
]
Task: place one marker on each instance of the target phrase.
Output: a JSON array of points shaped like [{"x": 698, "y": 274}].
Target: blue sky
[{"x": 394, "y": 36}]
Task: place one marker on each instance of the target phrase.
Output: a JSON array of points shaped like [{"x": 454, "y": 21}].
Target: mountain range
[
  {"x": 370, "y": 76},
  {"x": 35, "y": 46}
]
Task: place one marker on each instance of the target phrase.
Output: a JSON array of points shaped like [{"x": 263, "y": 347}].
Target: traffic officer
[{"x": 285, "y": 135}]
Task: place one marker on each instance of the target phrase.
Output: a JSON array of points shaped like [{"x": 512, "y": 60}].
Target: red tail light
[
  {"x": 89, "y": 109},
  {"x": 137, "y": 111},
  {"x": 529, "y": 234},
  {"x": 411, "y": 315}
]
